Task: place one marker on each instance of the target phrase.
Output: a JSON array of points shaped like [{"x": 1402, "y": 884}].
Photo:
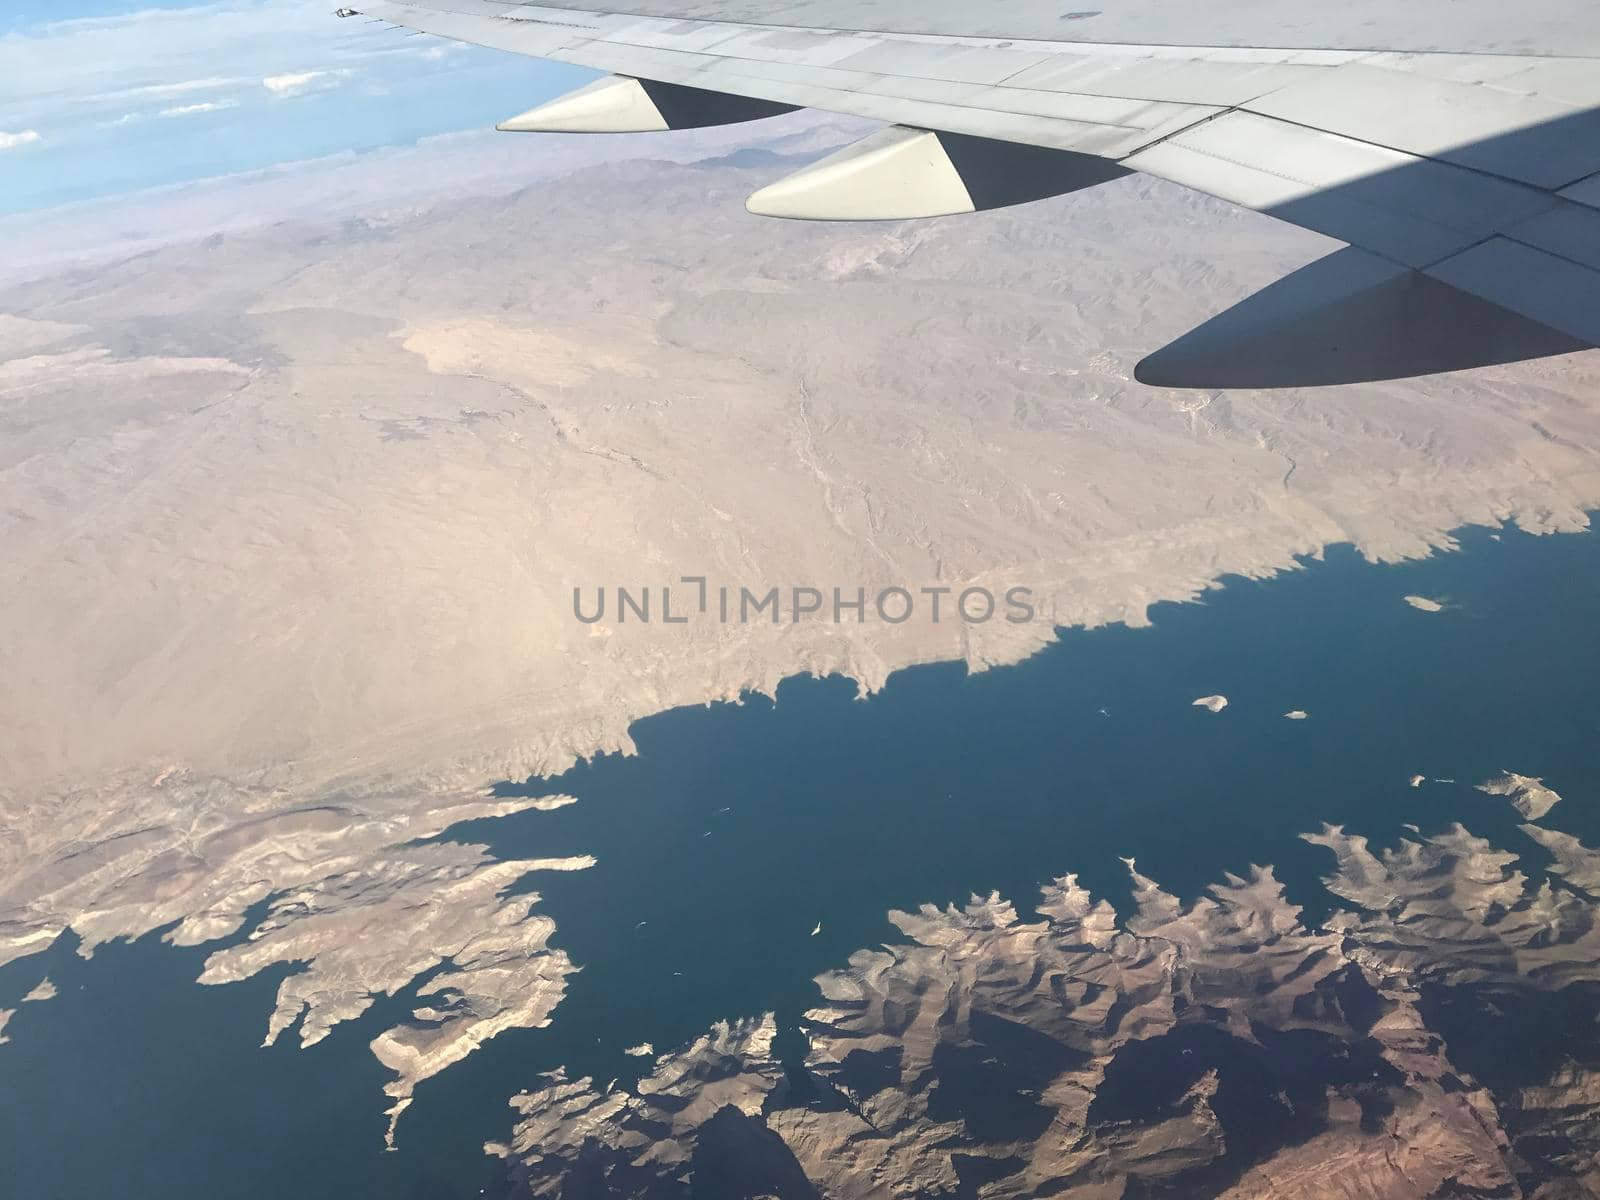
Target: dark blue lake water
[{"x": 738, "y": 828}]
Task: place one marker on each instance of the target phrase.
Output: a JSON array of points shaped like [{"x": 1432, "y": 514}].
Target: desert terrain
[{"x": 293, "y": 509}]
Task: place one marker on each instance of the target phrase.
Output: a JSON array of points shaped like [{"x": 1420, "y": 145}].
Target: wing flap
[
  {"x": 1225, "y": 84},
  {"x": 1569, "y": 231},
  {"x": 1585, "y": 191},
  {"x": 1571, "y": 81},
  {"x": 1530, "y": 138},
  {"x": 1543, "y": 287},
  {"x": 1411, "y": 210},
  {"x": 959, "y": 64}
]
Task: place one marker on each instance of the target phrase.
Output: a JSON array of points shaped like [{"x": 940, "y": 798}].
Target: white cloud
[
  {"x": 11, "y": 141},
  {"x": 161, "y": 91},
  {"x": 177, "y": 110},
  {"x": 191, "y": 110},
  {"x": 304, "y": 81}
]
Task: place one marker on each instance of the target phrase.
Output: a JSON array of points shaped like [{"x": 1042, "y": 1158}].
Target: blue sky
[{"x": 102, "y": 97}]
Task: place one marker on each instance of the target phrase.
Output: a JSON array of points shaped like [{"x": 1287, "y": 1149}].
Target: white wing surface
[{"x": 1455, "y": 142}]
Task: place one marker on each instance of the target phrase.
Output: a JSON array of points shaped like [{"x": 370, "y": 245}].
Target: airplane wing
[{"x": 1454, "y": 145}]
